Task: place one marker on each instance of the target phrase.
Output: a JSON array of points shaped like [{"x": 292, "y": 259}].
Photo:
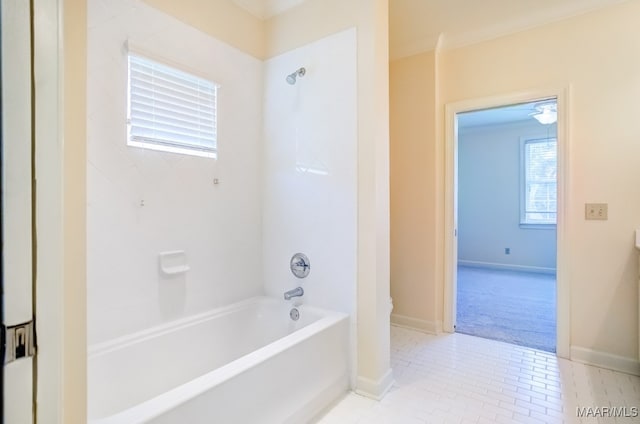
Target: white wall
[
  {"x": 310, "y": 186},
  {"x": 218, "y": 226},
  {"x": 489, "y": 199}
]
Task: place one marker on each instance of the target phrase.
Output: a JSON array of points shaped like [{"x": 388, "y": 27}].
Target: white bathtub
[{"x": 245, "y": 363}]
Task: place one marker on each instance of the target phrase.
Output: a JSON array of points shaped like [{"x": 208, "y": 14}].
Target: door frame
[
  {"x": 54, "y": 366},
  {"x": 563, "y": 299},
  {"x": 19, "y": 370}
]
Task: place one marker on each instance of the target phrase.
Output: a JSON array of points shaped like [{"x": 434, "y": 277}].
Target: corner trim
[
  {"x": 375, "y": 389},
  {"x": 605, "y": 360}
]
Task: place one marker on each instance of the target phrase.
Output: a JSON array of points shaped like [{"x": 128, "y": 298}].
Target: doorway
[
  {"x": 507, "y": 197},
  {"x": 477, "y": 237}
]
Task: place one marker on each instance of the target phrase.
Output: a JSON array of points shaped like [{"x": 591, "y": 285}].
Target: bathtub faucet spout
[{"x": 298, "y": 291}]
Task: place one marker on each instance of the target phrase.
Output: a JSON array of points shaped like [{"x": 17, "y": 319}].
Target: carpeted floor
[{"x": 510, "y": 306}]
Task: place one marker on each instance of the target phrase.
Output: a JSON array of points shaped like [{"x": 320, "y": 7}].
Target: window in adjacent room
[
  {"x": 171, "y": 110},
  {"x": 538, "y": 204}
]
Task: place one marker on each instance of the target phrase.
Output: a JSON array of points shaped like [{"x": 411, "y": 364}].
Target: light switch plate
[{"x": 597, "y": 211}]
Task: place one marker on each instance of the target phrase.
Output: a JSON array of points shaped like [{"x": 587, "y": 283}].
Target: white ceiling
[{"x": 417, "y": 25}]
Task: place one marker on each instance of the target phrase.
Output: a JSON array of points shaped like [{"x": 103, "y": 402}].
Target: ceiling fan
[{"x": 545, "y": 112}]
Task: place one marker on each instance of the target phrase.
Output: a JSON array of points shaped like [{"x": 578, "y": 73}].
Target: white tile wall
[
  {"x": 310, "y": 186},
  {"x": 463, "y": 379},
  {"x": 218, "y": 226}
]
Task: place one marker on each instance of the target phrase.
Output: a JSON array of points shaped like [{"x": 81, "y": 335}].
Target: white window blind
[
  {"x": 171, "y": 110},
  {"x": 539, "y": 191}
]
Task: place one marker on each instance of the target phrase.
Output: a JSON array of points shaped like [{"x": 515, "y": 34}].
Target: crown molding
[
  {"x": 535, "y": 19},
  {"x": 265, "y": 9}
]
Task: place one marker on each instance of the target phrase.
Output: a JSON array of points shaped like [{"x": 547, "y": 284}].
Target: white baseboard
[
  {"x": 424, "y": 326},
  {"x": 605, "y": 360},
  {"x": 375, "y": 389},
  {"x": 507, "y": 267}
]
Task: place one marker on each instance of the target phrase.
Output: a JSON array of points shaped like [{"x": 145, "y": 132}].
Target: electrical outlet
[
  {"x": 598, "y": 211},
  {"x": 507, "y": 250}
]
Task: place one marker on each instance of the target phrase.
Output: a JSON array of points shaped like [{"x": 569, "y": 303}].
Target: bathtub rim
[{"x": 107, "y": 346}]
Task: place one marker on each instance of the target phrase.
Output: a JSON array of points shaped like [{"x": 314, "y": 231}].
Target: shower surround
[
  {"x": 286, "y": 173},
  {"x": 310, "y": 184},
  {"x": 143, "y": 202}
]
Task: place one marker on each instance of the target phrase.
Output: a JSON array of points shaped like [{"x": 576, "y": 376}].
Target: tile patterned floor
[{"x": 463, "y": 379}]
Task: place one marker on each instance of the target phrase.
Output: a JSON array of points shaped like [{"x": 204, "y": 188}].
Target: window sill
[
  {"x": 212, "y": 154},
  {"x": 529, "y": 226}
]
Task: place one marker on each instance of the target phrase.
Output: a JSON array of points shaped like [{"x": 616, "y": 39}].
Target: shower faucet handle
[{"x": 300, "y": 265}]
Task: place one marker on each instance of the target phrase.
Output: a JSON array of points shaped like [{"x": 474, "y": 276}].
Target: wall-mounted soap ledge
[{"x": 174, "y": 262}]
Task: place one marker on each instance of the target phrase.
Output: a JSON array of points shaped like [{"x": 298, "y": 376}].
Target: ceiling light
[{"x": 546, "y": 113}]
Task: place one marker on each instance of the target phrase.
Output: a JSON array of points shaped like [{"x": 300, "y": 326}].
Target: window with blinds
[
  {"x": 539, "y": 196},
  {"x": 171, "y": 110}
]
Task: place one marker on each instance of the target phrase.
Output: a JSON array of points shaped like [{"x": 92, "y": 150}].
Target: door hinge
[{"x": 20, "y": 342}]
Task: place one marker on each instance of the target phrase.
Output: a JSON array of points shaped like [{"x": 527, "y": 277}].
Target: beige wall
[
  {"x": 413, "y": 237},
  {"x": 310, "y": 21},
  {"x": 221, "y": 19},
  {"x": 313, "y": 20},
  {"x": 596, "y": 56}
]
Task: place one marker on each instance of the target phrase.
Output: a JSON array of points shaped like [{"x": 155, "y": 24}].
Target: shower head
[{"x": 291, "y": 78}]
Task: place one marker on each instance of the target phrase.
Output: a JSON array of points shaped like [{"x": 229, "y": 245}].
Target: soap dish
[{"x": 174, "y": 262}]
